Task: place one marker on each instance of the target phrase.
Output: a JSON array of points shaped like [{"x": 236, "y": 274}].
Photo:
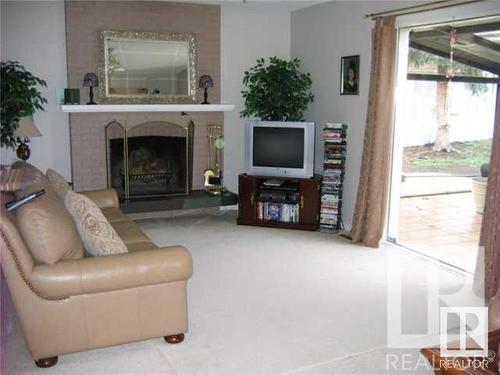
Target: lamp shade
[
  {"x": 90, "y": 80},
  {"x": 27, "y": 128},
  {"x": 205, "y": 81}
]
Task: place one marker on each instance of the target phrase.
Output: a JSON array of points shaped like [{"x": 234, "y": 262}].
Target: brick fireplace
[
  {"x": 91, "y": 151},
  {"x": 84, "y": 21},
  {"x": 152, "y": 159}
]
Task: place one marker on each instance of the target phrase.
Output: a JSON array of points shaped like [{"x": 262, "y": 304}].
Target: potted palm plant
[
  {"x": 20, "y": 98},
  {"x": 276, "y": 90},
  {"x": 279, "y": 142}
]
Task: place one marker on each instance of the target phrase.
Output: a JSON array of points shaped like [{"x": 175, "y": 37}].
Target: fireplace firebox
[{"x": 148, "y": 160}]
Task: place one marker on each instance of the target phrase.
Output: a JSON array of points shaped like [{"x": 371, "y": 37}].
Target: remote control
[{"x": 12, "y": 205}]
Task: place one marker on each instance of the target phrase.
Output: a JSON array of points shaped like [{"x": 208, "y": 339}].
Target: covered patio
[{"x": 438, "y": 215}]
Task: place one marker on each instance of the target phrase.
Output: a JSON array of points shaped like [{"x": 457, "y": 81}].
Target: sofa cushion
[
  {"x": 129, "y": 231},
  {"x": 48, "y": 230},
  {"x": 140, "y": 246},
  {"x": 114, "y": 214},
  {"x": 42, "y": 182},
  {"x": 97, "y": 234},
  {"x": 103, "y": 198},
  {"x": 58, "y": 182},
  {"x": 16, "y": 179}
]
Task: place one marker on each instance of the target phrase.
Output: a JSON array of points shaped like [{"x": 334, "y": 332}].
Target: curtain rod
[
  {"x": 434, "y": 5},
  {"x": 417, "y": 26}
]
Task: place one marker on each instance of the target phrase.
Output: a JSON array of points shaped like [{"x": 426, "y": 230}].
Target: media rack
[
  {"x": 333, "y": 177},
  {"x": 293, "y": 205}
]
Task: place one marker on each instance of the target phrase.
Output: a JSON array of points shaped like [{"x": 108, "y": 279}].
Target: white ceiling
[{"x": 289, "y": 5}]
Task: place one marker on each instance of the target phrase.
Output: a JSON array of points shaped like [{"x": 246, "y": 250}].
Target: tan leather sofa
[{"x": 92, "y": 302}]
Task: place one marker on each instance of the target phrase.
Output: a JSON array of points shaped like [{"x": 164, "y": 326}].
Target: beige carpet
[{"x": 261, "y": 301}]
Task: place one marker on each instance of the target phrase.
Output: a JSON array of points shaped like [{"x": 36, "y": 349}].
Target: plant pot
[{"x": 479, "y": 192}]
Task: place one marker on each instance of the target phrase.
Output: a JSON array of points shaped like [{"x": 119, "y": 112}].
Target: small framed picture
[{"x": 349, "y": 75}]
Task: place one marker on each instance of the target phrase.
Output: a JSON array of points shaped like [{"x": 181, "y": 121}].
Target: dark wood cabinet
[
  {"x": 295, "y": 204},
  {"x": 310, "y": 193},
  {"x": 246, "y": 198}
]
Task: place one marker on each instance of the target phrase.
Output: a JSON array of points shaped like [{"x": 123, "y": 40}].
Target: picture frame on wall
[{"x": 349, "y": 75}]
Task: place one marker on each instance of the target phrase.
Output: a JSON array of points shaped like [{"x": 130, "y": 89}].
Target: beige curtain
[
  {"x": 488, "y": 265},
  {"x": 371, "y": 205}
]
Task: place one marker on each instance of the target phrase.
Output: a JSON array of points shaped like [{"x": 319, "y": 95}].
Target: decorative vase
[{"x": 479, "y": 192}]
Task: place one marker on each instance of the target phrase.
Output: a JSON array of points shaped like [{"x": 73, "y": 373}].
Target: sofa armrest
[
  {"x": 103, "y": 198},
  {"x": 113, "y": 272}
]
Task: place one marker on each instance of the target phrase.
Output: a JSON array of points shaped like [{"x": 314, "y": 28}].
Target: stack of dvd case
[
  {"x": 282, "y": 212},
  {"x": 333, "y": 176}
]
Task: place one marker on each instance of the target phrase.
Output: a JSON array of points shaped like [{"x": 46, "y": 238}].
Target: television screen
[{"x": 278, "y": 147}]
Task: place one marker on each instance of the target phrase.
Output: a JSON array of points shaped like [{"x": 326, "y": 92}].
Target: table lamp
[
  {"x": 91, "y": 80},
  {"x": 24, "y": 131},
  {"x": 205, "y": 82}
]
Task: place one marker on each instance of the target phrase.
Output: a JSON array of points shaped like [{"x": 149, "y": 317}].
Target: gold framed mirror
[{"x": 145, "y": 67}]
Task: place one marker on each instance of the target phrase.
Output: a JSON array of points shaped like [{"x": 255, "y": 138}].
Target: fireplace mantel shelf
[{"x": 147, "y": 108}]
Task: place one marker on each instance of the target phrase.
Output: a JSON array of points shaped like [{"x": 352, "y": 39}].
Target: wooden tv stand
[{"x": 299, "y": 194}]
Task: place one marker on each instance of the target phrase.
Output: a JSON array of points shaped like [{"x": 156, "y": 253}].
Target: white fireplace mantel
[{"x": 147, "y": 108}]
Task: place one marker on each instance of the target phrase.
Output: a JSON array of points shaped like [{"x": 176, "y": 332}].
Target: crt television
[{"x": 281, "y": 149}]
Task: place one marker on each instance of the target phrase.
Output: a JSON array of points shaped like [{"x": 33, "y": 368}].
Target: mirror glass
[{"x": 148, "y": 67}]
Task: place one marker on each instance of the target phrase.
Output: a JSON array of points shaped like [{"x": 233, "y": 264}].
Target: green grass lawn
[{"x": 467, "y": 158}]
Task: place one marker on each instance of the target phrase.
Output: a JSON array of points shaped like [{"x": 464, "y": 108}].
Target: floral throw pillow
[
  {"x": 97, "y": 234},
  {"x": 58, "y": 182}
]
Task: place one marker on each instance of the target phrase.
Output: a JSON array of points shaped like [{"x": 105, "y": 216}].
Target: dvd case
[{"x": 335, "y": 152}]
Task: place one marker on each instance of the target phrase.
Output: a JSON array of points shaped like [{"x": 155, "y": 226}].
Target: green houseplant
[
  {"x": 19, "y": 98},
  {"x": 276, "y": 90}
]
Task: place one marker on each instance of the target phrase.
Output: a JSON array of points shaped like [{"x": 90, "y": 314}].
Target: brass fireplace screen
[{"x": 152, "y": 159}]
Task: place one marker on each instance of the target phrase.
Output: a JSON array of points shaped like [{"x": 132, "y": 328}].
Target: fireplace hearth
[{"x": 148, "y": 160}]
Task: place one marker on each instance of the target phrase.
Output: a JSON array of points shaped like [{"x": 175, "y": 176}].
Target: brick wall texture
[{"x": 84, "y": 21}]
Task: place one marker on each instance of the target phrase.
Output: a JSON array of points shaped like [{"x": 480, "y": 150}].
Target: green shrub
[
  {"x": 19, "y": 98},
  {"x": 277, "y": 91}
]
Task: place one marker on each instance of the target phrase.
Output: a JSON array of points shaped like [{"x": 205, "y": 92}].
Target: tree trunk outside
[{"x": 442, "y": 142}]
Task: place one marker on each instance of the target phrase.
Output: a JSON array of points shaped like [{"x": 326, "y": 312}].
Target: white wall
[
  {"x": 248, "y": 32},
  {"x": 320, "y": 36},
  {"x": 33, "y": 33}
]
